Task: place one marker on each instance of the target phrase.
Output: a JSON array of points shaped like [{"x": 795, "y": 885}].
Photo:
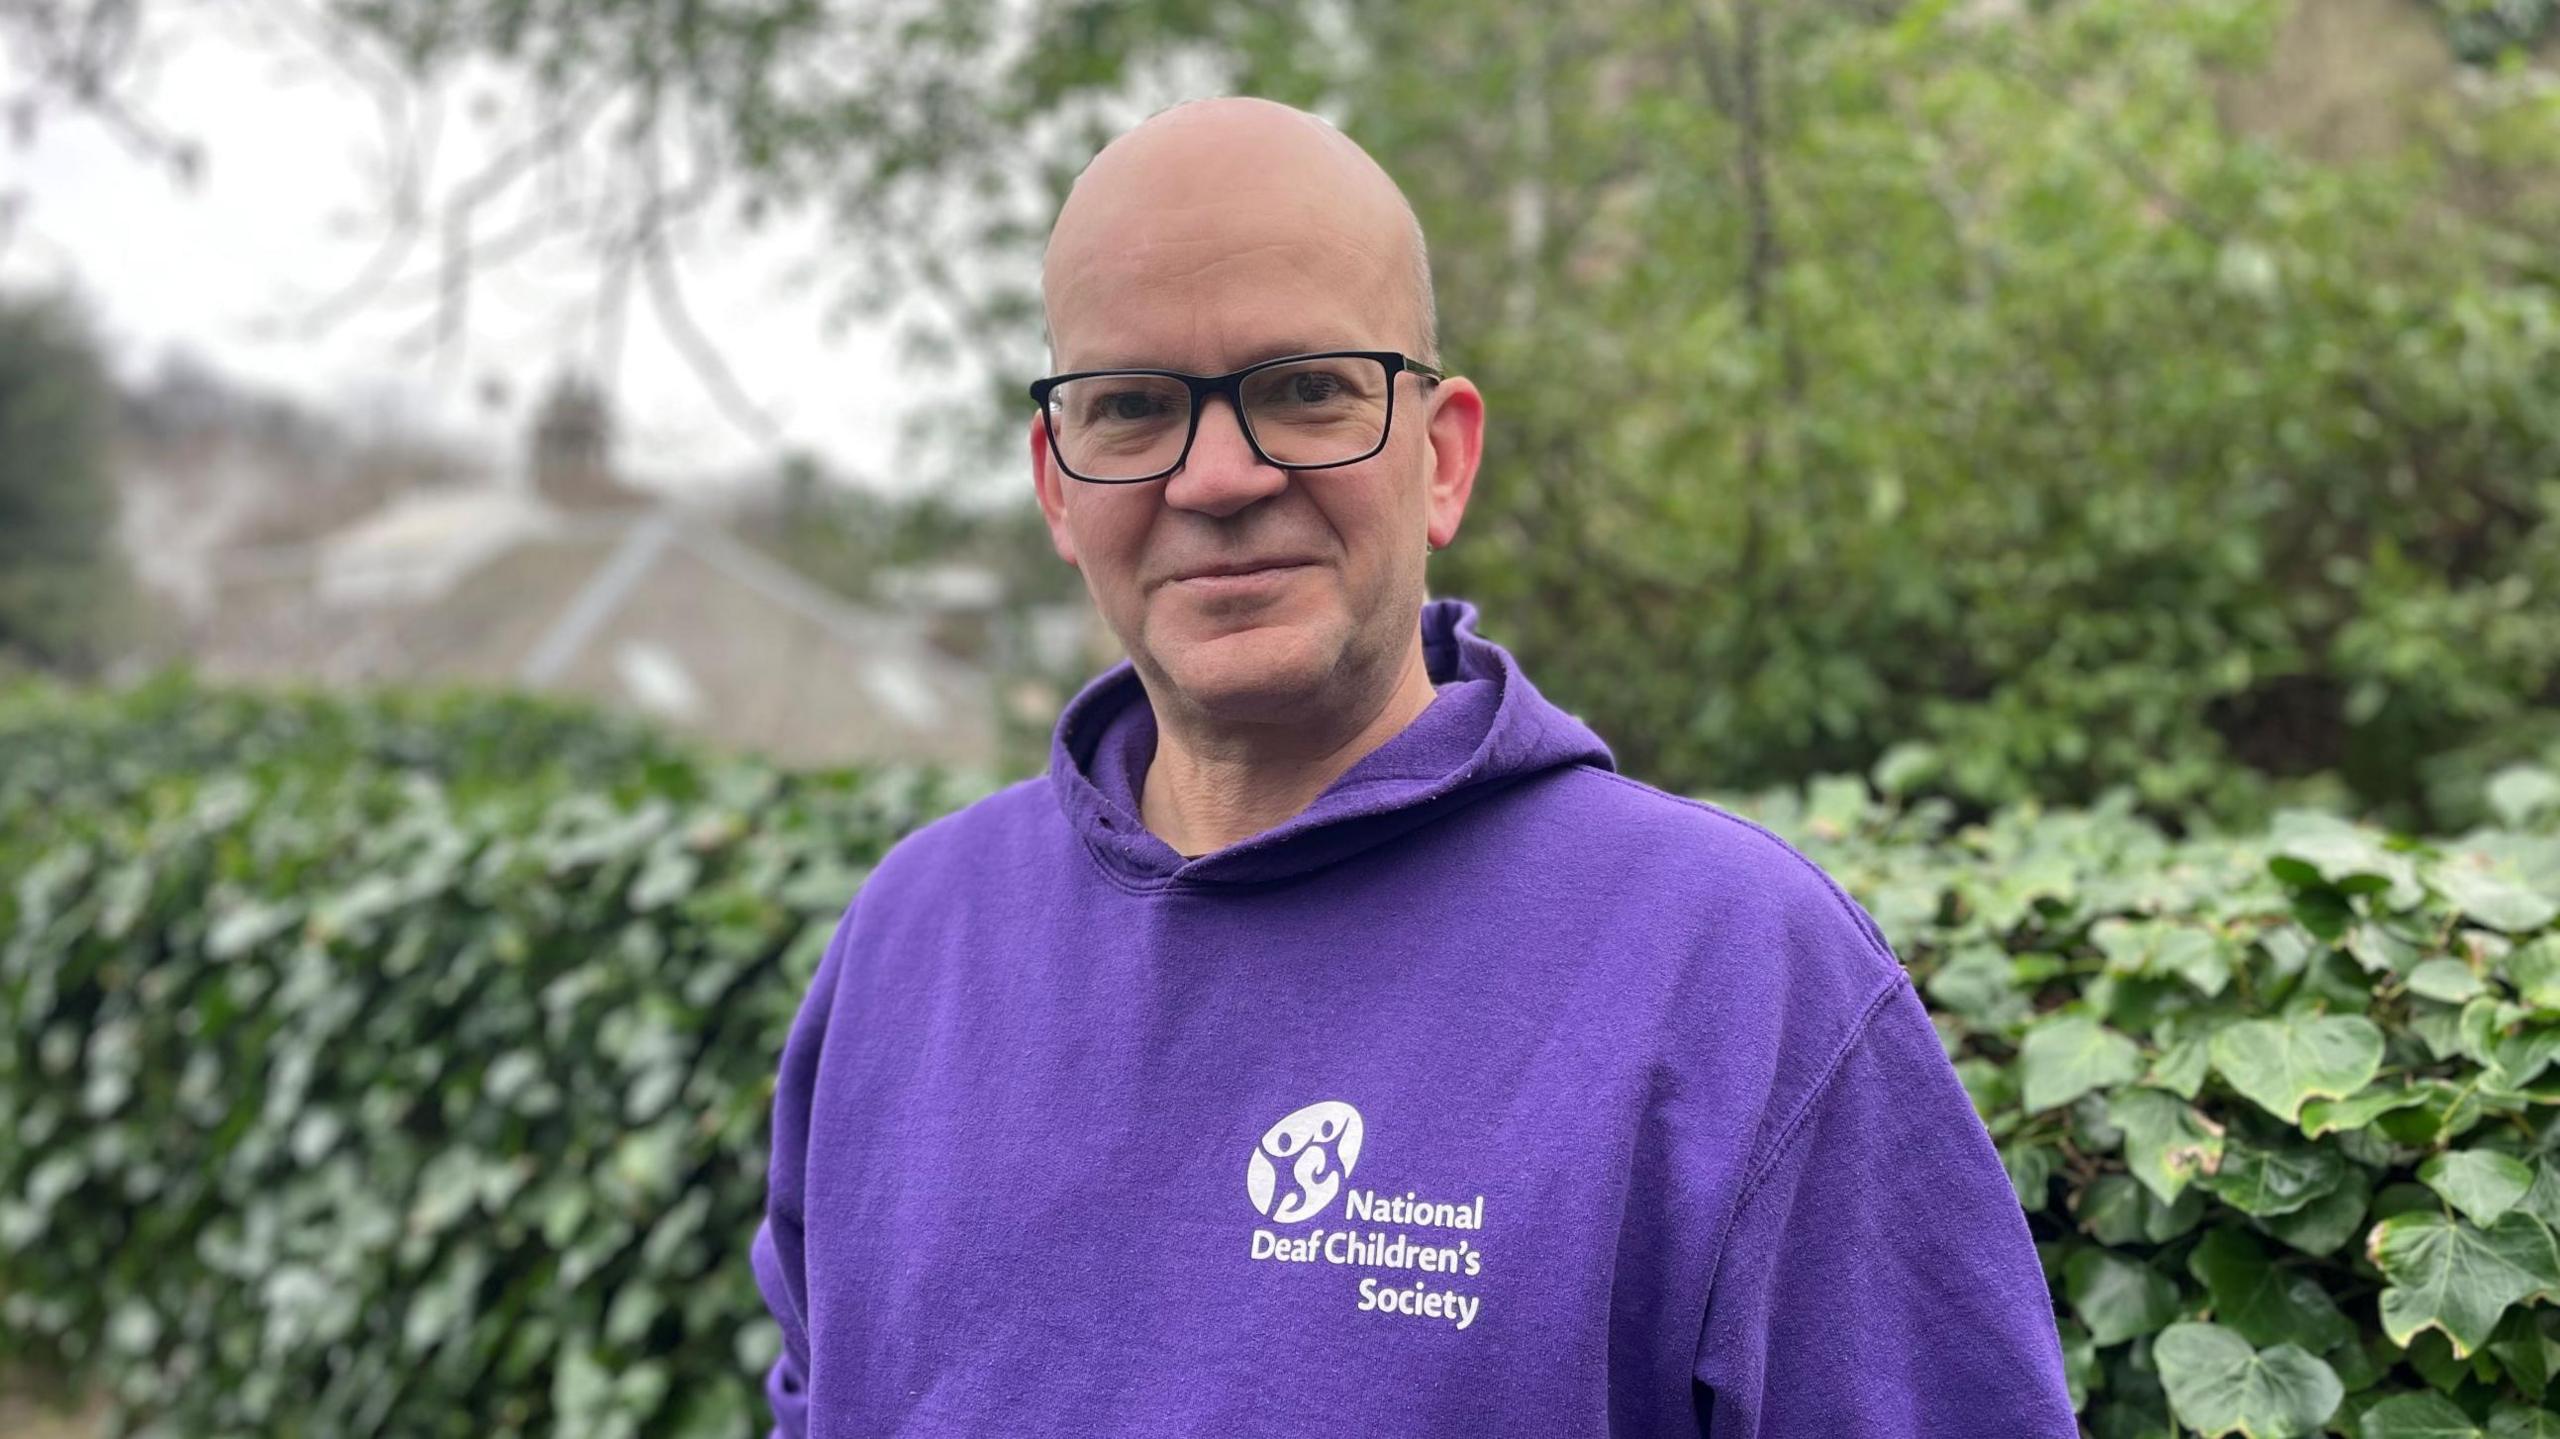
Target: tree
[{"x": 62, "y": 583}]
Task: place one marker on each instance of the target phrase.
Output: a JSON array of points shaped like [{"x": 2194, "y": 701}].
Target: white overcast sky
[{"x": 284, "y": 215}]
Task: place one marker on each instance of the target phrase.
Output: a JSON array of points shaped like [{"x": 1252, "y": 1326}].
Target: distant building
[{"x": 564, "y": 580}]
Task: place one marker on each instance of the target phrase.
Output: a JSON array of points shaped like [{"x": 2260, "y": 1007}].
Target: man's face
[{"x": 1164, "y": 268}]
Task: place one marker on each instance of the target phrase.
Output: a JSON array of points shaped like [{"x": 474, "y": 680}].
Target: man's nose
[{"x": 1222, "y": 474}]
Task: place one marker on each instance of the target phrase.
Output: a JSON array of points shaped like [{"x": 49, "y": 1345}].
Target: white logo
[{"x": 1312, "y": 1143}]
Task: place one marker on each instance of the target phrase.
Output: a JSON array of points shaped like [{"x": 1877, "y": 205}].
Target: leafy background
[
  {"x": 402, "y": 1065},
  {"x": 2278, "y": 1105}
]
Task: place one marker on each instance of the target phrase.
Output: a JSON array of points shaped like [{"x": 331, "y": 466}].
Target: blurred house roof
[
  {"x": 287, "y": 550},
  {"x": 653, "y": 607}
]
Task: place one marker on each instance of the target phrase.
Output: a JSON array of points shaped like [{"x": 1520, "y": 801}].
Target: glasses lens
[
  {"x": 1119, "y": 427},
  {"x": 1318, "y": 412}
]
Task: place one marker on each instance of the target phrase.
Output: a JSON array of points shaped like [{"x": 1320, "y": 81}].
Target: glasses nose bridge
[{"x": 1230, "y": 388}]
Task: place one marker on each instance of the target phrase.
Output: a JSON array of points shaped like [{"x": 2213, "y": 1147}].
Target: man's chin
[{"x": 1242, "y": 670}]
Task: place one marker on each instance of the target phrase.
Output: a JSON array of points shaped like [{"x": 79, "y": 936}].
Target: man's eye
[
  {"x": 1309, "y": 388},
  {"x": 1127, "y": 408}
]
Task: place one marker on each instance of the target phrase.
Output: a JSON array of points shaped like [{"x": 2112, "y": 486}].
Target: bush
[
  {"x": 2279, "y": 1107},
  {"x": 64, "y": 599},
  {"x": 400, "y": 1069},
  {"x": 415, "y": 1081}
]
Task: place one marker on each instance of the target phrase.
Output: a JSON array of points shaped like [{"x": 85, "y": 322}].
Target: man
[{"x": 1332, "y": 1042}]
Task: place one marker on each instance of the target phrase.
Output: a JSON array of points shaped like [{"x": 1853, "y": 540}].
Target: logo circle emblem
[{"x": 1302, "y": 1160}]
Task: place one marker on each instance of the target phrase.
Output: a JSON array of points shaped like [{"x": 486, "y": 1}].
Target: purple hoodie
[{"x": 1493, "y": 1094}]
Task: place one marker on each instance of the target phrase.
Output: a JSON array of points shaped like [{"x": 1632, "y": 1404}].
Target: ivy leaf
[
  {"x": 2490, "y": 897},
  {"x": 2264, "y": 1181},
  {"x": 2450, "y": 1111},
  {"x": 2482, "y": 1183},
  {"x": 2313, "y": 848},
  {"x": 2534, "y": 969},
  {"x": 2515, "y": 1059},
  {"x": 2449, "y": 980},
  {"x": 2266, "y": 1303},
  {"x": 2522, "y": 1346},
  {"x": 2516, "y": 1421},
  {"x": 2279, "y": 1063},
  {"x": 2180, "y": 1069},
  {"x": 2065, "y": 1058},
  {"x": 2166, "y": 1142},
  {"x": 2358, "y": 1368},
  {"x": 2520, "y": 791},
  {"x": 2381, "y": 947},
  {"x": 2419, "y": 1416},
  {"x": 2449, "y": 1276},
  {"x": 2218, "y": 1384},
  {"x": 2194, "y": 955},
  {"x": 1975, "y": 982},
  {"x": 2542, "y": 1201},
  {"x": 2156, "y": 947},
  {"x": 1992, "y": 1088},
  {"x": 2117, "y": 1209},
  {"x": 2328, "y": 1221},
  {"x": 2031, "y": 1170},
  {"x": 2322, "y": 911},
  {"x": 2327, "y": 1116},
  {"x": 2118, "y": 1298},
  {"x": 2482, "y": 1024}
]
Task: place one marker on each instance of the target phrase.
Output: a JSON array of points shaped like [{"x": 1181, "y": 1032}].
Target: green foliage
[
  {"x": 400, "y": 1069},
  {"x": 2480, "y": 31},
  {"x": 2077, "y": 441},
  {"x": 2281, "y": 1106},
  {"x": 80, "y": 748},
  {"x": 61, "y": 583}
]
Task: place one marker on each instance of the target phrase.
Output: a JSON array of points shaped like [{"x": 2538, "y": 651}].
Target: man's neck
[{"x": 1202, "y": 793}]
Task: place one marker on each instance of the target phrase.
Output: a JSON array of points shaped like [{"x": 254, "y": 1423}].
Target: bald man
[{"x": 1332, "y": 1041}]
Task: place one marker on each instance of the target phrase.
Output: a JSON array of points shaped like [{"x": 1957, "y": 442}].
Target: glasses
[{"x": 1298, "y": 412}]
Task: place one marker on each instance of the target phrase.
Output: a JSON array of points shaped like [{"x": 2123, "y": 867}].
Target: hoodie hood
[{"x": 1487, "y": 729}]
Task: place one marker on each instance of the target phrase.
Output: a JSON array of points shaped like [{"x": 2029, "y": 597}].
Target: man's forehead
[
  {"x": 1221, "y": 229},
  {"x": 1219, "y": 289},
  {"x": 1223, "y": 147}
]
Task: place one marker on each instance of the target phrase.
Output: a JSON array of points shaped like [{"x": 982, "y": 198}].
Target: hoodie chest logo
[
  {"x": 1297, "y": 1169},
  {"x": 1302, "y": 1161}
]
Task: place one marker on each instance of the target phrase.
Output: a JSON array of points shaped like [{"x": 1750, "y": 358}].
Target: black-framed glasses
[{"x": 1298, "y": 412}]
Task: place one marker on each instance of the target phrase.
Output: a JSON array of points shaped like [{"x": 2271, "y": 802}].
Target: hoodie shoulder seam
[
  {"x": 1798, "y": 1121},
  {"x": 1857, "y": 915}
]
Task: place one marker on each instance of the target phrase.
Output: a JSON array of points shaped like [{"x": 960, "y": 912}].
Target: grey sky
[{"x": 284, "y": 216}]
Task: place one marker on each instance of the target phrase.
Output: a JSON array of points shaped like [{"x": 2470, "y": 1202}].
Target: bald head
[{"x": 1172, "y": 204}]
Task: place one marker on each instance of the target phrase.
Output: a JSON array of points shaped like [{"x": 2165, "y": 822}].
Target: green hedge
[
  {"x": 375, "y": 1070},
  {"x": 2280, "y": 1107},
  {"x": 401, "y": 1068}
]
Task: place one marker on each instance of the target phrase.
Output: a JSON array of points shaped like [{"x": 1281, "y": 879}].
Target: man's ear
[
  {"x": 1049, "y": 486},
  {"x": 1454, "y": 442}
]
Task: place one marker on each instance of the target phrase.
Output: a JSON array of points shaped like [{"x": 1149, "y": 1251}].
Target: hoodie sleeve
[
  {"x": 1878, "y": 1277},
  {"x": 777, "y": 1252}
]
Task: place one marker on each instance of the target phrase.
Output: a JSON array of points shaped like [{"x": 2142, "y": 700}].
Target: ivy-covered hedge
[
  {"x": 2281, "y": 1107},
  {"x": 400, "y": 1068},
  {"x": 404, "y": 1070}
]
